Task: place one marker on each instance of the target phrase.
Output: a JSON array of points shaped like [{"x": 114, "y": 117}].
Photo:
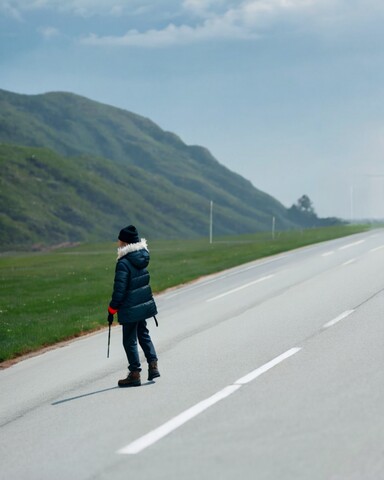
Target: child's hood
[
  {"x": 139, "y": 259},
  {"x": 137, "y": 253}
]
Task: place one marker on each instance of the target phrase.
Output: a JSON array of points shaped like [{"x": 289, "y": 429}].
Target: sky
[{"x": 287, "y": 93}]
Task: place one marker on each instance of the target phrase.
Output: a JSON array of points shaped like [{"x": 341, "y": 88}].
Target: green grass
[{"x": 49, "y": 297}]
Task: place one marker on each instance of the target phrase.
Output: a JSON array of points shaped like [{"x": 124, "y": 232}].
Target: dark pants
[{"x": 131, "y": 333}]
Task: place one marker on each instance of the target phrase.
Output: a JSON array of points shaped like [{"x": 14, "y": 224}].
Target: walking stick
[
  {"x": 110, "y": 321},
  {"x": 109, "y": 339}
]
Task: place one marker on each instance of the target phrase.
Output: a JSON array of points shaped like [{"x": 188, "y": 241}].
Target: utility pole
[
  {"x": 211, "y": 223},
  {"x": 273, "y": 227}
]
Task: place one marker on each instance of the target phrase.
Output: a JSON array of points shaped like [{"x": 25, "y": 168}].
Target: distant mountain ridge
[{"x": 124, "y": 165}]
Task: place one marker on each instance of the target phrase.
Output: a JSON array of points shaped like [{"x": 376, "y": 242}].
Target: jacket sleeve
[{"x": 120, "y": 285}]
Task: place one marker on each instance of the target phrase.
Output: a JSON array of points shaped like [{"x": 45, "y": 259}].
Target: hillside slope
[
  {"x": 124, "y": 164},
  {"x": 46, "y": 198}
]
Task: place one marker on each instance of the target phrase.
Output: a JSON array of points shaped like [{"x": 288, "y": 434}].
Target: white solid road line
[
  {"x": 261, "y": 279},
  {"x": 326, "y": 254},
  {"x": 266, "y": 262},
  {"x": 155, "y": 435},
  {"x": 337, "y": 319}
]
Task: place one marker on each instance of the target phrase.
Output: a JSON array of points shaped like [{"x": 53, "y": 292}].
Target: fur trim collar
[{"x": 132, "y": 247}]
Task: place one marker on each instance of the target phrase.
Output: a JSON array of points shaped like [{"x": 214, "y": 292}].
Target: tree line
[{"x": 303, "y": 213}]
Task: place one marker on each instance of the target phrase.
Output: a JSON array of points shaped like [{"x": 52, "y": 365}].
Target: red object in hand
[{"x": 112, "y": 310}]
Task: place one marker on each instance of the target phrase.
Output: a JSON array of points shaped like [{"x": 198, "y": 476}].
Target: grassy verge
[{"x": 49, "y": 297}]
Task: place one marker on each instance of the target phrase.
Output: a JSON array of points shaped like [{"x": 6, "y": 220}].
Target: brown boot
[
  {"x": 133, "y": 380},
  {"x": 153, "y": 371}
]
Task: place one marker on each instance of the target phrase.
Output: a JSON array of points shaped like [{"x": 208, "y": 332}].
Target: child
[{"x": 133, "y": 302}]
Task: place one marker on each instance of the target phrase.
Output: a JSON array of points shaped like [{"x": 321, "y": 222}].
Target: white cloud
[
  {"x": 10, "y": 10},
  {"x": 86, "y": 8},
  {"x": 204, "y": 7},
  {"x": 239, "y": 21},
  {"x": 48, "y": 32},
  {"x": 193, "y": 21},
  {"x": 171, "y": 35}
]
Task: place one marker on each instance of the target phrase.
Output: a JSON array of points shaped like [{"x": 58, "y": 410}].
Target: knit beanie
[{"x": 129, "y": 235}]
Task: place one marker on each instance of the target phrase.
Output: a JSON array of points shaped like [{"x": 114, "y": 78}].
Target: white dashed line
[
  {"x": 377, "y": 248},
  {"x": 348, "y": 262},
  {"x": 259, "y": 371},
  {"x": 155, "y": 435},
  {"x": 227, "y": 275},
  {"x": 234, "y": 290},
  {"x": 349, "y": 245},
  {"x": 337, "y": 319}
]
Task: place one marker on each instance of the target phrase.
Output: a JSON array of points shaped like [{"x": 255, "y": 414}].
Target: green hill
[{"x": 73, "y": 169}]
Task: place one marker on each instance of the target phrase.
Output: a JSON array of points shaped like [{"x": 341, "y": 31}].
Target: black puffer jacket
[{"x": 132, "y": 294}]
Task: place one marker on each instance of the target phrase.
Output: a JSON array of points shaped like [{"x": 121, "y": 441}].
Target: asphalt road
[{"x": 273, "y": 370}]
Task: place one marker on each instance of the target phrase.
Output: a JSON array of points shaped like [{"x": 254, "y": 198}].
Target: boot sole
[
  {"x": 151, "y": 377},
  {"x": 136, "y": 384}
]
